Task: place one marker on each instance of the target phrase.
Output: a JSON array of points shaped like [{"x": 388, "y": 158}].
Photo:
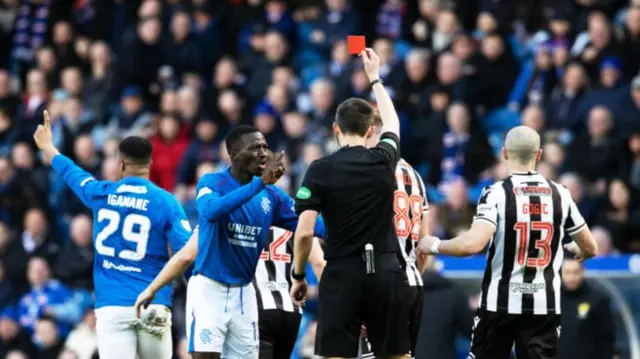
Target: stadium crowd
[{"x": 183, "y": 72}]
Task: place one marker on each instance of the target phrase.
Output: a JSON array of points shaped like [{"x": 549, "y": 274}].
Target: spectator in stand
[
  {"x": 536, "y": 81},
  {"x": 47, "y": 63},
  {"x": 141, "y": 57},
  {"x": 71, "y": 81},
  {"x": 533, "y": 116},
  {"x": 413, "y": 83},
  {"x": 17, "y": 354},
  {"x": 12, "y": 336},
  {"x": 45, "y": 292},
  {"x": 628, "y": 110},
  {"x": 8, "y": 100},
  {"x": 449, "y": 77},
  {"x": 8, "y": 134},
  {"x": 182, "y": 50},
  {"x": 34, "y": 102},
  {"x": 168, "y": 149},
  {"x": 630, "y": 42},
  {"x": 128, "y": 119},
  {"x": 596, "y": 44},
  {"x": 609, "y": 90},
  {"x": 463, "y": 154},
  {"x": 48, "y": 339},
  {"x": 619, "y": 217},
  {"x": 63, "y": 44},
  {"x": 225, "y": 76},
  {"x": 595, "y": 153},
  {"x": 605, "y": 243},
  {"x": 99, "y": 85},
  {"x": 202, "y": 148},
  {"x": 565, "y": 99},
  {"x": 275, "y": 54},
  {"x": 588, "y": 206},
  {"x": 88, "y": 158},
  {"x": 456, "y": 214},
  {"x": 74, "y": 265},
  {"x": 38, "y": 239},
  {"x": 588, "y": 330},
  {"x": 82, "y": 341},
  {"x": 497, "y": 72},
  {"x": 189, "y": 107},
  {"x": 323, "y": 101}
]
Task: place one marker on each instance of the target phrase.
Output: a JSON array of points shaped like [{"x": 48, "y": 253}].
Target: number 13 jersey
[
  {"x": 134, "y": 222},
  {"x": 531, "y": 215}
]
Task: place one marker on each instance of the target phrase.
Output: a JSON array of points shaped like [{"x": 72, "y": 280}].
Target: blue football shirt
[
  {"x": 234, "y": 222},
  {"x": 134, "y": 222}
]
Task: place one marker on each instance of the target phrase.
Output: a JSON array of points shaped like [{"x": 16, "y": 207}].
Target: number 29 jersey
[
  {"x": 531, "y": 215},
  {"x": 134, "y": 223}
]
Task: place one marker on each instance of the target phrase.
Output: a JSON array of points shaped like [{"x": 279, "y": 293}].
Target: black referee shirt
[{"x": 353, "y": 189}]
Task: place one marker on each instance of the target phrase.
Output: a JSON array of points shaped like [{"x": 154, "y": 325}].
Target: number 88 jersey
[{"x": 410, "y": 207}]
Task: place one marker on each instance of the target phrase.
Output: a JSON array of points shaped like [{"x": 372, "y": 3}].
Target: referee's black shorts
[
  {"x": 494, "y": 335},
  {"x": 278, "y": 333},
  {"x": 349, "y": 297},
  {"x": 415, "y": 302}
]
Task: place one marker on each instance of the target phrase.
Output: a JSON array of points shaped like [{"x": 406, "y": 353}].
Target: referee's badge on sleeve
[{"x": 303, "y": 193}]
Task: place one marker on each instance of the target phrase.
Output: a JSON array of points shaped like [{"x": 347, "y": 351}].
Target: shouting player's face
[{"x": 252, "y": 157}]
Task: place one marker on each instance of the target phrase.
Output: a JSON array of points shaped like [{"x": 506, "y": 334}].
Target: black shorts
[
  {"x": 415, "y": 303},
  {"x": 494, "y": 334},
  {"x": 278, "y": 333},
  {"x": 349, "y": 298}
]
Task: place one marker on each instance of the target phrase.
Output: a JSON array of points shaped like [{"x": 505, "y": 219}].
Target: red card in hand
[{"x": 356, "y": 44}]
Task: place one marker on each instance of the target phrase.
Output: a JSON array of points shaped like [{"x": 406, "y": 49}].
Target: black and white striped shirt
[
  {"x": 531, "y": 215},
  {"x": 273, "y": 273},
  {"x": 410, "y": 208}
]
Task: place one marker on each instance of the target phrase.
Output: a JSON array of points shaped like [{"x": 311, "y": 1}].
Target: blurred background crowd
[{"x": 461, "y": 73}]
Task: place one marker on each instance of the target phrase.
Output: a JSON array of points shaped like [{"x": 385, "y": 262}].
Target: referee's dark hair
[
  {"x": 234, "y": 137},
  {"x": 136, "y": 150},
  {"x": 355, "y": 116}
]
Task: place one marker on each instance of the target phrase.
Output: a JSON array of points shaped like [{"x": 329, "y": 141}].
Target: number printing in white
[{"x": 139, "y": 237}]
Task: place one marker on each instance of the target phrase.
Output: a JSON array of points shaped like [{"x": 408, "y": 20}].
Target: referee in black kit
[{"x": 353, "y": 189}]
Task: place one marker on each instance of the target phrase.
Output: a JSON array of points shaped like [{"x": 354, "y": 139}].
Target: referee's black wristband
[
  {"x": 296, "y": 276},
  {"x": 376, "y": 81}
]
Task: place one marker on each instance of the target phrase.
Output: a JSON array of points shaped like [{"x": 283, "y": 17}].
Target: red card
[{"x": 356, "y": 44}]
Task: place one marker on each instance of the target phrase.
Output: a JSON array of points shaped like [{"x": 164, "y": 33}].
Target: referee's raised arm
[{"x": 388, "y": 114}]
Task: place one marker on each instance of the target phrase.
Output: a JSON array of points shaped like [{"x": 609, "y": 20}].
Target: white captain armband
[
  {"x": 86, "y": 180},
  {"x": 203, "y": 192}
]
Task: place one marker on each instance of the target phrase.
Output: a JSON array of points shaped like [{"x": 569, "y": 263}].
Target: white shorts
[
  {"x": 120, "y": 338},
  {"x": 222, "y": 319}
]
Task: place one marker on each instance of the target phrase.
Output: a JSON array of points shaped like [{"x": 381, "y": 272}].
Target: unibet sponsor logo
[{"x": 303, "y": 193}]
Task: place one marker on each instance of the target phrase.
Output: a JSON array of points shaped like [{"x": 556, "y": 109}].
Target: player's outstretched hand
[
  {"x": 43, "y": 135},
  {"x": 371, "y": 63},
  {"x": 143, "y": 301},
  {"x": 274, "y": 169},
  {"x": 425, "y": 246},
  {"x": 299, "y": 292},
  {"x": 575, "y": 250}
]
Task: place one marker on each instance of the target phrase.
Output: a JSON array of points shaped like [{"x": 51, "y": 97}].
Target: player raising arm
[
  {"x": 236, "y": 208},
  {"x": 524, "y": 218},
  {"x": 134, "y": 222}
]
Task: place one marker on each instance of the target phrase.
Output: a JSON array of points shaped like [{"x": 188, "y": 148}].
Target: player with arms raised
[
  {"x": 524, "y": 219},
  {"x": 134, "y": 222},
  {"x": 236, "y": 208}
]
